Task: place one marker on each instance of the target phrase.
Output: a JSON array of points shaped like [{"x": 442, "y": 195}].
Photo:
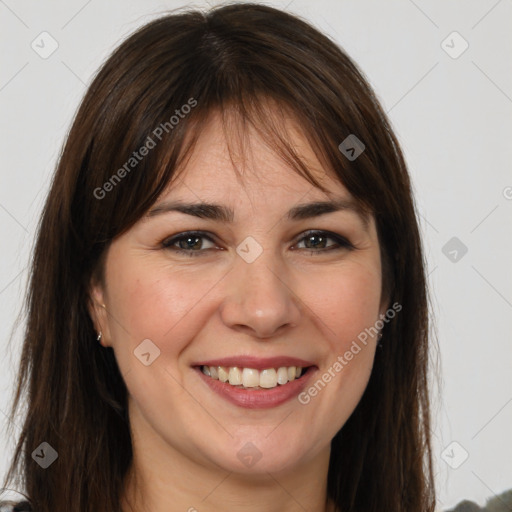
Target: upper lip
[{"x": 258, "y": 363}]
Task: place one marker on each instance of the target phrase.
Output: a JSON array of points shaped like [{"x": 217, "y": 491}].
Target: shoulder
[
  {"x": 498, "y": 503},
  {"x": 15, "y": 506},
  {"x": 467, "y": 506}
]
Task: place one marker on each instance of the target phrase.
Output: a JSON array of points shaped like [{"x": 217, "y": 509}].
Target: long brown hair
[{"x": 234, "y": 58}]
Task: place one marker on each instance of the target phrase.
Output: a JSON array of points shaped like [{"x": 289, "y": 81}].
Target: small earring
[
  {"x": 99, "y": 337},
  {"x": 379, "y": 343}
]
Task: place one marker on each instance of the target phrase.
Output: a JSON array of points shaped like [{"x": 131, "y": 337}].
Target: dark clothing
[{"x": 20, "y": 506}]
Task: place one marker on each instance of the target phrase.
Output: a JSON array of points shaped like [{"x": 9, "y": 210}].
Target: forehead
[
  {"x": 229, "y": 170},
  {"x": 229, "y": 156}
]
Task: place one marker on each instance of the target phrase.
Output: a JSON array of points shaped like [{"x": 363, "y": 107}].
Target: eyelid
[
  {"x": 340, "y": 239},
  {"x": 341, "y": 242},
  {"x": 170, "y": 240}
]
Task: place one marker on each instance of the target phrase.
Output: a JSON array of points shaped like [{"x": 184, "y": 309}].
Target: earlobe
[{"x": 98, "y": 313}]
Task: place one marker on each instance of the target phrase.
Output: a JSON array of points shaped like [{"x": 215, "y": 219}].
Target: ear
[{"x": 98, "y": 311}]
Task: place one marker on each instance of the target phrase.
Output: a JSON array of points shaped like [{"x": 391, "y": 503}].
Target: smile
[
  {"x": 255, "y": 388},
  {"x": 251, "y": 378}
]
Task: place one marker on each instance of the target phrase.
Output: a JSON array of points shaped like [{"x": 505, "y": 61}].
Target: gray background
[{"x": 453, "y": 119}]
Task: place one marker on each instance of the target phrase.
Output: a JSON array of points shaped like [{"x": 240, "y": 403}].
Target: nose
[{"x": 258, "y": 301}]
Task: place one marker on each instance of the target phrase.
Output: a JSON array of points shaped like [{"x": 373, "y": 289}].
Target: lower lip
[{"x": 258, "y": 398}]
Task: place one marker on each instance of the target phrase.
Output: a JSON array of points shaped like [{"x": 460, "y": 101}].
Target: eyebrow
[{"x": 225, "y": 214}]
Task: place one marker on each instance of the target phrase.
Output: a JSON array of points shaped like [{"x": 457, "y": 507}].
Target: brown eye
[
  {"x": 190, "y": 243},
  {"x": 317, "y": 242}
]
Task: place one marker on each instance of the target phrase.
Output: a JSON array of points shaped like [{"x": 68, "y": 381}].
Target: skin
[{"x": 287, "y": 302}]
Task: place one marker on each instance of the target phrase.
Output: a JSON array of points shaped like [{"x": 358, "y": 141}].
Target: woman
[{"x": 227, "y": 305}]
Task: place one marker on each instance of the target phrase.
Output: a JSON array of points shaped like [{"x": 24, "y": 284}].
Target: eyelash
[{"x": 342, "y": 243}]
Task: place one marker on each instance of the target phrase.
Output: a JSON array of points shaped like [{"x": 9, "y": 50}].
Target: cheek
[
  {"x": 347, "y": 304},
  {"x": 345, "y": 311},
  {"x": 151, "y": 300}
]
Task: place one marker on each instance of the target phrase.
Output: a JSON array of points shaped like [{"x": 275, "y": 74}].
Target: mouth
[
  {"x": 251, "y": 378},
  {"x": 256, "y": 383}
]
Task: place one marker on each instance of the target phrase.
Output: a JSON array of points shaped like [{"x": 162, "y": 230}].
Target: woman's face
[{"x": 255, "y": 291}]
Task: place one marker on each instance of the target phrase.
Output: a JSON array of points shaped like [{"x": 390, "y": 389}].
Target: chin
[{"x": 260, "y": 455}]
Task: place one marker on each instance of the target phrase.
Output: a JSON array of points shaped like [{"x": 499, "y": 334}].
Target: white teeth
[
  {"x": 252, "y": 378},
  {"x": 235, "y": 376},
  {"x": 223, "y": 373},
  {"x": 268, "y": 378},
  {"x": 282, "y": 375}
]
